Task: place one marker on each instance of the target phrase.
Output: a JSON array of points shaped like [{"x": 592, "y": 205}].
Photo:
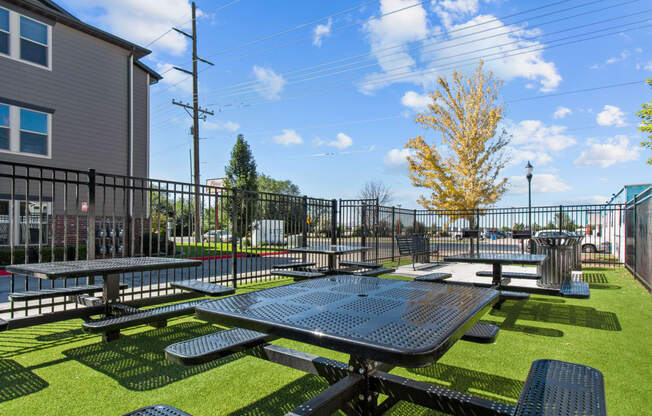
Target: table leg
[
  {"x": 111, "y": 289},
  {"x": 497, "y": 275},
  {"x": 331, "y": 263}
]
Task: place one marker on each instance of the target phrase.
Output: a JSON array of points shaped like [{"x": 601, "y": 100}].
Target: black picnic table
[
  {"x": 109, "y": 269},
  {"x": 380, "y": 323},
  {"x": 332, "y": 251},
  {"x": 497, "y": 261}
]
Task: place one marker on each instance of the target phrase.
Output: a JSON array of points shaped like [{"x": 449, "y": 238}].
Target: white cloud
[
  {"x": 604, "y": 154},
  {"x": 520, "y": 156},
  {"x": 396, "y": 159},
  {"x": 142, "y": 21},
  {"x": 416, "y": 101},
  {"x": 395, "y": 31},
  {"x": 588, "y": 200},
  {"x": 562, "y": 112},
  {"x": 288, "y": 138},
  {"x": 614, "y": 59},
  {"x": 271, "y": 83},
  {"x": 611, "y": 116},
  {"x": 221, "y": 125},
  {"x": 542, "y": 183},
  {"x": 342, "y": 142},
  {"x": 535, "y": 141},
  {"x": 421, "y": 65},
  {"x": 648, "y": 66},
  {"x": 320, "y": 32},
  {"x": 450, "y": 10},
  {"x": 174, "y": 79}
]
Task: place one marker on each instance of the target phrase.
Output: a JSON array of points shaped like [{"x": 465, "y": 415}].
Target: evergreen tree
[{"x": 241, "y": 171}]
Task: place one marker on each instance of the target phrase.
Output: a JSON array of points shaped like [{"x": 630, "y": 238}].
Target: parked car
[
  {"x": 552, "y": 233},
  {"x": 212, "y": 236}
]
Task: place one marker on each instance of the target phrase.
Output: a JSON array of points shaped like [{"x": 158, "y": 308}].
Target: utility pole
[{"x": 195, "y": 111}]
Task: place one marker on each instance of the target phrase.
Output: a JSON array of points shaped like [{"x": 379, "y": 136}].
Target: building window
[
  {"x": 4, "y": 127},
  {"x": 33, "y": 132},
  {"x": 4, "y": 31},
  {"x": 33, "y": 41}
]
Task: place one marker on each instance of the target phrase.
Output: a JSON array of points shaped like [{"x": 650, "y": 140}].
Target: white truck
[{"x": 267, "y": 232}]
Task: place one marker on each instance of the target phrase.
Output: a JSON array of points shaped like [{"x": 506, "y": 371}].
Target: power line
[
  {"x": 402, "y": 76},
  {"x": 250, "y": 90},
  {"x": 456, "y": 45},
  {"x": 432, "y": 38},
  {"x": 603, "y": 87}
]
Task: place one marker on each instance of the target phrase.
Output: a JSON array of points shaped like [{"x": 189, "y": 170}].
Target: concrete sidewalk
[{"x": 465, "y": 272}]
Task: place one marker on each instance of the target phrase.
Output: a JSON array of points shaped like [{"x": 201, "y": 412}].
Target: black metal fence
[
  {"x": 49, "y": 214},
  {"x": 639, "y": 237}
]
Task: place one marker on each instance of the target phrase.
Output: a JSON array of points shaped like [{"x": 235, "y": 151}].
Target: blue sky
[{"x": 330, "y": 103}]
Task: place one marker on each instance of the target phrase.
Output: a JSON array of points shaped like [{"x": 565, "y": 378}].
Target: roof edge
[
  {"x": 69, "y": 20},
  {"x": 157, "y": 77}
]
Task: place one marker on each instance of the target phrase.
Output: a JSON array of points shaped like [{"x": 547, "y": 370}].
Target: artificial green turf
[{"x": 56, "y": 369}]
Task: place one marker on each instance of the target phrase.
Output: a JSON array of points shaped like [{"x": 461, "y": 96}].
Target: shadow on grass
[
  {"x": 598, "y": 281},
  {"x": 510, "y": 325},
  {"x": 138, "y": 362},
  {"x": 477, "y": 383},
  {"x": 17, "y": 381},
  {"x": 582, "y": 316},
  {"x": 285, "y": 399},
  {"x": 40, "y": 337}
]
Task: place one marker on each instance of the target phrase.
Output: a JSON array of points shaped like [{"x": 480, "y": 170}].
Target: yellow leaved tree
[{"x": 463, "y": 172}]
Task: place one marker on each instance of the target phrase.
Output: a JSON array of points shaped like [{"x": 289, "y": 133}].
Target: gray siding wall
[{"x": 88, "y": 89}]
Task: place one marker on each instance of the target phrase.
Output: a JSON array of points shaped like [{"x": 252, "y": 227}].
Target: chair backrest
[
  {"x": 404, "y": 245},
  {"x": 420, "y": 243}
]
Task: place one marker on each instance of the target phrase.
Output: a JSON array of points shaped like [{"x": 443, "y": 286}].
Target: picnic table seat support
[
  {"x": 58, "y": 292},
  {"x": 297, "y": 274},
  {"x": 110, "y": 326},
  {"x": 157, "y": 410},
  {"x": 213, "y": 346},
  {"x": 205, "y": 288},
  {"x": 561, "y": 388}
]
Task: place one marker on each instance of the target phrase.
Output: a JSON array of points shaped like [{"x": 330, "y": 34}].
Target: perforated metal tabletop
[
  {"x": 498, "y": 258},
  {"x": 404, "y": 323},
  {"x": 81, "y": 268}
]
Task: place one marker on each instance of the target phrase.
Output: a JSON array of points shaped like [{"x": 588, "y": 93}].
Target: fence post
[
  {"x": 304, "y": 226},
  {"x": 414, "y": 222},
  {"x": 393, "y": 236},
  {"x": 561, "y": 219},
  {"x": 363, "y": 229},
  {"x": 376, "y": 227},
  {"x": 234, "y": 237},
  {"x": 477, "y": 227},
  {"x": 635, "y": 231},
  {"x": 90, "y": 221},
  {"x": 334, "y": 222}
]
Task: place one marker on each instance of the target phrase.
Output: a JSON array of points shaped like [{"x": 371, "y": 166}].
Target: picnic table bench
[
  {"x": 3, "y": 324},
  {"x": 297, "y": 265},
  {"x": 157, "y": 410},
  {"x": 297, "y": 274},
  {"x": 204, "y": 288},
  {"x": 416, "y": 246},
  {"x": 58, "y": 292},
  {"x": 110, "y": 326}
]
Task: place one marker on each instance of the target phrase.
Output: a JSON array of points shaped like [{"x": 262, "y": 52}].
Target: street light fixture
[{"x": 528, "y": 174}]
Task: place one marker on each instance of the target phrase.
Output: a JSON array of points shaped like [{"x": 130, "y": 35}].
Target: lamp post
[{"x": 528, "y": 174}]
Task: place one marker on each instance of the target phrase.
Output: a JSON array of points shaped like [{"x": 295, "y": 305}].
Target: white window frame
[
  {"x": 7, "y": 127},
  {"x": 14, "y": 133},
  {"x": 8, "y": 33},
  {"x": 15, "y": 38}
]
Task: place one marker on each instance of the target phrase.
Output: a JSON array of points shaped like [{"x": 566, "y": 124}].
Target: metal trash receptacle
[{"x": 563, "y": 256}]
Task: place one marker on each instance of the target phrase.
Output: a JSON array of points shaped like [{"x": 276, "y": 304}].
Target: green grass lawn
[{"x": 56, "y": 369}]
